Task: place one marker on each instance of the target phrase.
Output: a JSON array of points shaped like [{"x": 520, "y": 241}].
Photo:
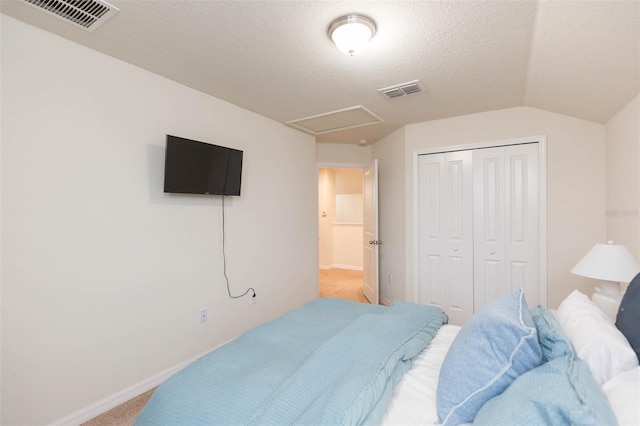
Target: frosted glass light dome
[{"x": 351, "y": 33}]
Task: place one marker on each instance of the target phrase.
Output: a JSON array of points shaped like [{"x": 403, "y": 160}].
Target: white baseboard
[
  {"x": 124, "y": 395},
  {"x": 106, "y": 404},
  {"x": 338, "y": 266}
]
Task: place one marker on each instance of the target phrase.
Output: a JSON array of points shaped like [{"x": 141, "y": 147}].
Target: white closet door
[
  {"x": 506, "y": 240},
  {"x": 445, "y": 232},
  {"x": 522, "y": 237},
  {"x": 488, "y": 223}
]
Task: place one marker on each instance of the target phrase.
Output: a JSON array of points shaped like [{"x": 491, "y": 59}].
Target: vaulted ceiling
[{"x": 579, "y": 58}]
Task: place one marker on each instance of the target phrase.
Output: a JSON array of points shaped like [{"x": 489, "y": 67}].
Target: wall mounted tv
[{"x": 193, "y": 167}]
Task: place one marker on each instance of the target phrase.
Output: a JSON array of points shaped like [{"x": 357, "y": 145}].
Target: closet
[{"x": 478, "y": 227}]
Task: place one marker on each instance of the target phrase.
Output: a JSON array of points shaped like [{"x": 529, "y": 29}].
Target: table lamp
[{"x": 611, "y": 263}]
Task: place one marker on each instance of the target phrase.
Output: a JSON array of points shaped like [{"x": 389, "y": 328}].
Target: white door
[
  {"x": 506, "y": 223},
  {"x": 370, "y": 233},
  {"x": 445, "y": 233},
  {"x": 489, "y": 210}
]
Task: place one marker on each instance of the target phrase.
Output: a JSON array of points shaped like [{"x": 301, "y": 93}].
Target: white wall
[
  {"x": 348, "y": 251},
  {"x": 340, "y": 231},
  {"x": 103, "y": 274},
  {"x": 326, "y": 215},
  {"x": 623, "y": 177},
  {"x": 390, "y": 152},
  {"x": 575, "y": 181},
  {"x": 340, "y": 153}
]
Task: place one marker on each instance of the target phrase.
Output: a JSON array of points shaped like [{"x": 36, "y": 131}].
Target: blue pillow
[
  {"x": 628, "y": 316},
  {"x": 492, "y": 349},
  {"x": 553, "y": 342},
  {"x": 559, "y": 392}
]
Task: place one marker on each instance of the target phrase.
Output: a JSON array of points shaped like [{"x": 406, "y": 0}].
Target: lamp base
[{"x": 608, "y": 297}]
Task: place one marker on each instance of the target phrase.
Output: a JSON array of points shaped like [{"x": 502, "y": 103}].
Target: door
[
  {"x": 506, "y": 223},
  {"x": 445, "y": 233},
  {"x": 478, "y": 227},
  {"x": 370, "y": 233}
]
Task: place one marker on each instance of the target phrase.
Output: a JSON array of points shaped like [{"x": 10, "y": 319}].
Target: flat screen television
[{"x": 193, "y": 167}]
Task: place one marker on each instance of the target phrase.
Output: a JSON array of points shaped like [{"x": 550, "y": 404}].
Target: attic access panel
[{"x": 348, "y": 118}]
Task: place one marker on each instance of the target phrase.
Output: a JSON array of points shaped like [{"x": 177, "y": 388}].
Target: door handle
[{"x": 375, "y": 242}]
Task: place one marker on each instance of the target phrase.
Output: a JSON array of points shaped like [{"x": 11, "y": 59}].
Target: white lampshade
[
  {"x": 351, "y": 33},
  {"x": 608, "y": 262}
]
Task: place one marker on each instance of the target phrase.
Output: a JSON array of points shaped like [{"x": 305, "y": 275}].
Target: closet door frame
[{"x": 541, "y": 140}]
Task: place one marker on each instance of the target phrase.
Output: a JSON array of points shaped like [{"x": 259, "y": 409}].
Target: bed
[{"x": 338, "y": 362}]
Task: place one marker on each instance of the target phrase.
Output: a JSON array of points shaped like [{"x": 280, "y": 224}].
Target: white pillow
[
  {"x": 623, "y": 392},
  {"x": 595, "y": 338}
]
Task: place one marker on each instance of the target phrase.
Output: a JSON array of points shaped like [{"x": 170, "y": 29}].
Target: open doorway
[{"x": 340, "y": 225}]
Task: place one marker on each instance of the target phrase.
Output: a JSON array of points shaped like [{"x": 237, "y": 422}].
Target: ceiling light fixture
[{"x": 352, "y": 32}]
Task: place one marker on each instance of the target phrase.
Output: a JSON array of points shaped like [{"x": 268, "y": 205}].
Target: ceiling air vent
[
  {"x": 402, "y": 89},
  {"x": 88, "y": 14}
]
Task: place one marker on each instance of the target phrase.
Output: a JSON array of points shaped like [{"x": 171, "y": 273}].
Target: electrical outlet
[
  {"x": 204, "y": 315},
  {"x": 252, "y": 300},
  {"x": 390, "y": 278}
]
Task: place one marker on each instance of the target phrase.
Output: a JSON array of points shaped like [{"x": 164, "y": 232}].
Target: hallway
[{"x": 342, "y": 284}]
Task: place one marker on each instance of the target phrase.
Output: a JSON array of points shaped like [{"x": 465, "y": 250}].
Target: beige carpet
[
  {"x": 343, "y": 284},
  {"x": 122, "y": 415}
]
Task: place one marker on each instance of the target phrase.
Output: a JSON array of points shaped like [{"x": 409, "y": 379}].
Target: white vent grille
[
  {"x": 402, "y": 89},
  {"x": 88, "y": 14}
]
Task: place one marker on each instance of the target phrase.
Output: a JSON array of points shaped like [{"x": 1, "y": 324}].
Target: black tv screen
[{"x": 193, "y": 167}]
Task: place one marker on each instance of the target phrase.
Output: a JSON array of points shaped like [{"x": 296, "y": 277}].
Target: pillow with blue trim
[
  {"x": 628, "y": 316},
  {"x": 494, "y": 347},
  {"x": 559, "y": 392}
]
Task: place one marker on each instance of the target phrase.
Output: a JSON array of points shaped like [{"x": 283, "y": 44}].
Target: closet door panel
[
  {"x": 488, "y": 225},
  {"x": 445, "y": 233},
  {"x": 457, "y": 215},
  {"x": 506, "y": 223},
  {"x": 522, "y": 221},
  {"x": 430, "y": 245}
]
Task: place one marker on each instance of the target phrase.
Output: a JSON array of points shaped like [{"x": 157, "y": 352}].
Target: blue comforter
[{"x": 329, "y": 362}]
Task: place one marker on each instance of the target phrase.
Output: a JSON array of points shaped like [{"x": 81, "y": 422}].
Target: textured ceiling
[{"x": 579, "y": 58}]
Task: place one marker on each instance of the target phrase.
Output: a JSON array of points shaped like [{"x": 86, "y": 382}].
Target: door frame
[
  {"x": 541, "y": 140},
  {"x": 328, "y": 165}
]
